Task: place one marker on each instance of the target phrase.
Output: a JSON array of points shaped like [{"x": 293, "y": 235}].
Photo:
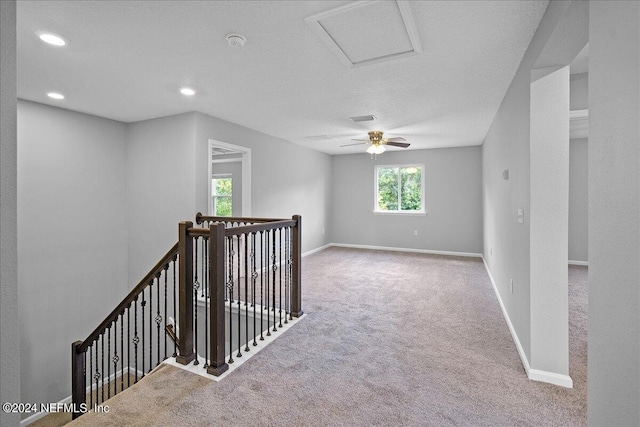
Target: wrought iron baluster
[
  {"x": 196, "y": 286},
  {"x": 121, "y": 352},
  {"x": 150, "y": 325},
  {"x": 91, "y": 376},
  {"x": 108, "y": 364},
  {"x": 273, "y": 287},
  {"x": 230, "y": 289},
  {"x": 204, "y": 247},
  {"x": 175, "y": 314},
  {"x": 116, "y": 358},
  {"x": 128, "y": 346},
  {"x": 267, "y": 268},
  {"x": 102, "y": 364},
  {"x": 205, "y": 295},
  {"x": 166, "y": 313},
  {"x": 228, "y": 252},
  {"x": 158, "y": 319},
  {"x": 254, "y": 276},
  {"x": 280, "y": 284},
  {"x": 261, "y": 285},
  {"x": 246, "y": 292},
  {"x": 239, "y": 354},
  {"x": 136, "y": 339},
  {"x": 287, "y": 235},
  {"x": 142, "y": 305}
]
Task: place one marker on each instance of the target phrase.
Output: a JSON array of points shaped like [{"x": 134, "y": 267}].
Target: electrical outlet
[
  {"x": 511, "y": 285},
  {"x": 323, "y": 231},
  {"x": 415, "y": 232}
]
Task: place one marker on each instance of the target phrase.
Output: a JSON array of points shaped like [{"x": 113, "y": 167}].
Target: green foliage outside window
[
  {"x": 400, "y": 188},
  {"x": 222, "y": 196}
]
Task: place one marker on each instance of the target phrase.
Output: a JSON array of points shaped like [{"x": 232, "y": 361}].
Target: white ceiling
[{"x": 125, "y": 60}]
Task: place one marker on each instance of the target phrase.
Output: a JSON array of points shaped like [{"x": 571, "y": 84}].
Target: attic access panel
[{"x": 365, "y": 32}]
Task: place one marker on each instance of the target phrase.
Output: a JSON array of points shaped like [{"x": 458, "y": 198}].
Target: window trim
[{"x": 376, "y": 211}]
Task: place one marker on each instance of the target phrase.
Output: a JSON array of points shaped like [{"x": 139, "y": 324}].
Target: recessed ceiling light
[
  {"x": 187, "y": 91},
  {"x": 55, "y": 95},
  {"x": 52, "y": 39}
]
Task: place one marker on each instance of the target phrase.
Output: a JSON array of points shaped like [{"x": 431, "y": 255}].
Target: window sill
[{"x": 401, "y": 213}]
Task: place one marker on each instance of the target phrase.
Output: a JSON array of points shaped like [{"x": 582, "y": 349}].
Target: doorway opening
[{"x": 229, "y": 180}]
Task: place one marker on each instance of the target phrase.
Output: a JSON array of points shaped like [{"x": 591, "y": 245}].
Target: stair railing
[
  {"x": 125, "y": 339},
  {"x": 208, "y": 274}
]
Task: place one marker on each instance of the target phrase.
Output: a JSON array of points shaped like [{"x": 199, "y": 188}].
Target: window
[
  {"x": 399, "y": 189},
  {"x": 221, "y": 194}
]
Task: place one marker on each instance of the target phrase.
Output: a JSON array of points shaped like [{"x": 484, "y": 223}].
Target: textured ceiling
[{"x": 125, "y": 61}]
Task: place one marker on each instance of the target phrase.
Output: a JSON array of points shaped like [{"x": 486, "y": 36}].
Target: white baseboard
[
  {"x": 422, "y": 251},
  {"x": 514, "y": 335},
  {"x": 584, "y": 263},
  {"x": 318, "y": 249},
  {"x": 532, "y": 374},
  {"x": 38, "y": 415},
  {"x": 551, "y": 378}
]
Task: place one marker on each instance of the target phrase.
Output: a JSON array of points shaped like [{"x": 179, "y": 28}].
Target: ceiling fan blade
[
  {"x": 363, "y": 140},
  {"x": 398, "y": 144},
  {"x": 396, "y": 139},
  {"x": 357, "y": 143}
]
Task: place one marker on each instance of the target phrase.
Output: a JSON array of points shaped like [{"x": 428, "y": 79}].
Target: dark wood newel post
[
  {"x": 185, "y": 294},
  {"x": 78, "y": 380},
  {"x": 217, "y": 365},
  {"x": 296, "y": 284}
]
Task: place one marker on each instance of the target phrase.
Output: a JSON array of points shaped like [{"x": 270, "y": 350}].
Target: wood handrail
[
  {"x": 281, "y": 223},
  {"x": 153, "y": 273},
  {"x": 253, "y": 228},
  {"x": 200, "y": 218}
]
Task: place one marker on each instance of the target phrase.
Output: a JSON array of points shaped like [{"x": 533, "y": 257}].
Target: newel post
[
  {"x": 296, "y": 270},
  {"x": 78, "y": 380},
  {"x": 185, "y": 294},
  {"x": 217, "y": 364}
]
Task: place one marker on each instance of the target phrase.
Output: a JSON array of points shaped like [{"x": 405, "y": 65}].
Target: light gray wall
[
  {"x": 160, "y": 187},
  {"x": 614, "y": 214},
  {"x": 453, "y": 198},
  {"x": 9, "y": 332},
  {"x": 578, "y": 188},
  {"x": 548, "y": 220},
  {"x": 286, "y": 179},
  {"x": 578, "y": 200},
  {"x": 506, "y": 146},
  {"x": 579, "y": 91},
  {"x": 234, "y": 169},
  {"x": 72, "y": 247}
]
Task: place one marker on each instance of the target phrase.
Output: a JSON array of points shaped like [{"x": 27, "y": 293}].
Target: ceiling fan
[{"x": 377, "y": 142}]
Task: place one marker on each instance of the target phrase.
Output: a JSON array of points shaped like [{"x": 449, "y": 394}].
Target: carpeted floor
[{"x": 390, "y": 339}]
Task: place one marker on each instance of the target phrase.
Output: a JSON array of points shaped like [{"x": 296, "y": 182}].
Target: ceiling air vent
[{"x": 368, "y": 118}]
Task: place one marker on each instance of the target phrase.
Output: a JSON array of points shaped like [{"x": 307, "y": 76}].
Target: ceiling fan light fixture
[{"x": 375, "y": 149}]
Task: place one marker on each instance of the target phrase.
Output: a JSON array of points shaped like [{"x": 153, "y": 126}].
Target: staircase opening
[{"x": 226, "y": 289}]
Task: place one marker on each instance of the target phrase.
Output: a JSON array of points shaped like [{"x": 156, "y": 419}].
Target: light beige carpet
[{"x": 390, "y": 339}]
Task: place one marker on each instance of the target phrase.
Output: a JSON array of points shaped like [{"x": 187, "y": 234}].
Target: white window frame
[
  {"x": 213, "y": 196},
  {"x": 422, "y": 211}
]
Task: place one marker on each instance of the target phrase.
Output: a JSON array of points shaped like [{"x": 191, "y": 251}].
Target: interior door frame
[{"x": 246, "y": 174}]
